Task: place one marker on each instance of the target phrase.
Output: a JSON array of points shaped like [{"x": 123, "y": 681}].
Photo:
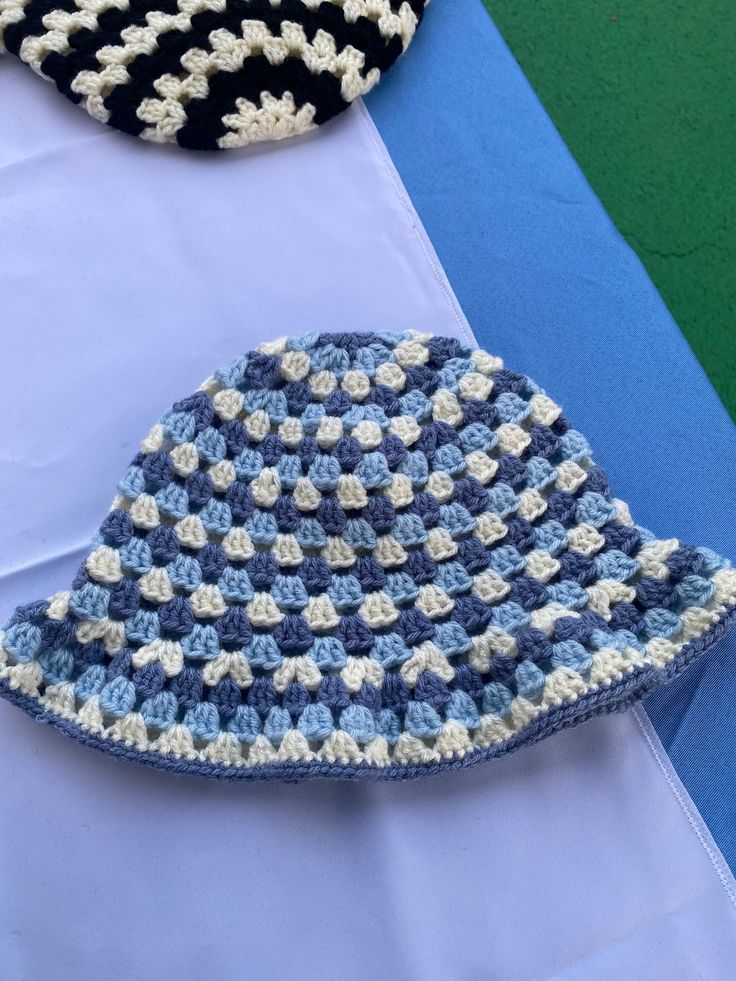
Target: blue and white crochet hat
[{"x": 359, "y": 555}]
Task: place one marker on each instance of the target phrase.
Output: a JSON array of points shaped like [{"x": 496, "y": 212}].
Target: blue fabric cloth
[{"x": 549, "y": 284}]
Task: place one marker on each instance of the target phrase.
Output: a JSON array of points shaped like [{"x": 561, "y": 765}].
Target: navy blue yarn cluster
[{"x": 421, "y": 704}]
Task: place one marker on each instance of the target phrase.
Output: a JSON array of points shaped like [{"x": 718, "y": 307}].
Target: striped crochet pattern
[
  {"x": 359, "y": 555},
  {"x": 210, "y": 74}
]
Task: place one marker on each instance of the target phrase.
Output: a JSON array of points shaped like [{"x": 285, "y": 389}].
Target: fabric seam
[{"x": 693, "y": 815}]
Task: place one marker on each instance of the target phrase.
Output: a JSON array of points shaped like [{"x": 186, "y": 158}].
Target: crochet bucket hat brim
[
  {"x": 210, "y": 74},
  {"x": 359, "y": 555}
]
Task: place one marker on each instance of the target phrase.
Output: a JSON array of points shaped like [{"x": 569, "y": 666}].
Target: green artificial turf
[{"x": 644, "y": 94}]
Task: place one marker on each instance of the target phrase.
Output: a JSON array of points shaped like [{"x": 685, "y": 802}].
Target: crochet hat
[
  {"x": 357, "y": 555},
  {"x": 210, "y": 74}
]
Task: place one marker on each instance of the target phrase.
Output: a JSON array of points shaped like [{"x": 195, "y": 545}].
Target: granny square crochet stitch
[
  {"x": 210, "y": 74},
  {"x": 359, "y": 555}
]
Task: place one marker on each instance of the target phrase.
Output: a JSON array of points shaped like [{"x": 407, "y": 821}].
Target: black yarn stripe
[
  {"x": 205, "y": 116},
  {"x": 64, "y": 68},
  {"x": 363, "y": 35},
  {"x": 32, "y": 23},
  {"x": 111, "y": 22},
  {"x": 124, "y": 100},
  {"x": 205, "y": 123},
  {"x": 85, "y": 44}
]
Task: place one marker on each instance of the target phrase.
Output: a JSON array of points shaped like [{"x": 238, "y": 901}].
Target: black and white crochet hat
[
  {"x": 210, "y": 74},
  {"x": 359, "y": 555}
]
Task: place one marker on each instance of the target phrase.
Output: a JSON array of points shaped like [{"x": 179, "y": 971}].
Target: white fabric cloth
[{"x": 127, "y": 274}]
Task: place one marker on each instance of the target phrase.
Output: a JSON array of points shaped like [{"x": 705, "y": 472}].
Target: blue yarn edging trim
[{"x": 564, "y": 716}]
